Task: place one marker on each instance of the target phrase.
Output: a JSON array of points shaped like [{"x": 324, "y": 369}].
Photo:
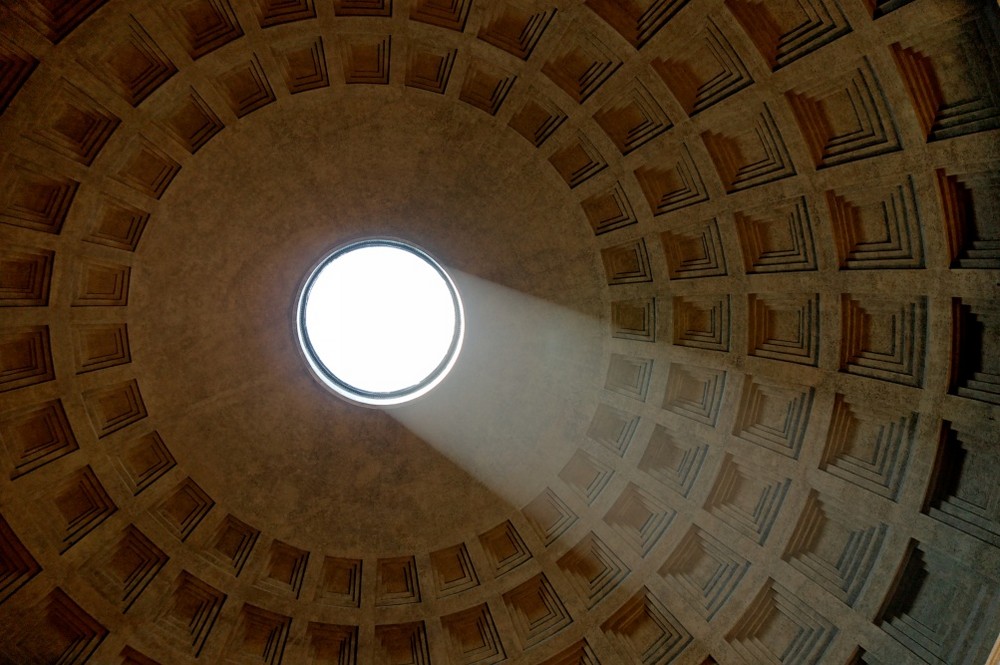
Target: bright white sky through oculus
[{"x": 380, "y": 318}]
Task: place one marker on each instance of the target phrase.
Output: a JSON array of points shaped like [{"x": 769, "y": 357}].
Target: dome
[{"x": 730, "y": 367}]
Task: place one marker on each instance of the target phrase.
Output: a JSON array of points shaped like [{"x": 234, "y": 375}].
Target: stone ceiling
[{"x": 731, "y": 381}]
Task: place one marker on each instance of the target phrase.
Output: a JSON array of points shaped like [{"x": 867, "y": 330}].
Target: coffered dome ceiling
[{"x": 731, "y": 378}]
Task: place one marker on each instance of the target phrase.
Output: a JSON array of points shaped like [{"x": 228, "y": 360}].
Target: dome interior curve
[{"x": 730, "y": 381}]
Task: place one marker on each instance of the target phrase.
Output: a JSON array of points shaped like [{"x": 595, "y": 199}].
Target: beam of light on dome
[
  {"x": 520, "y": 398},
  {"x": 380, "y": 322}
]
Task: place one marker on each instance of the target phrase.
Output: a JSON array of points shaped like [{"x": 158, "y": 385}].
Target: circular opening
[{"x": 380, "y": 321}]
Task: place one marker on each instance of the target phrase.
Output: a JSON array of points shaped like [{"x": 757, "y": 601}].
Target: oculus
[{"x": 380, "y": 322}]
